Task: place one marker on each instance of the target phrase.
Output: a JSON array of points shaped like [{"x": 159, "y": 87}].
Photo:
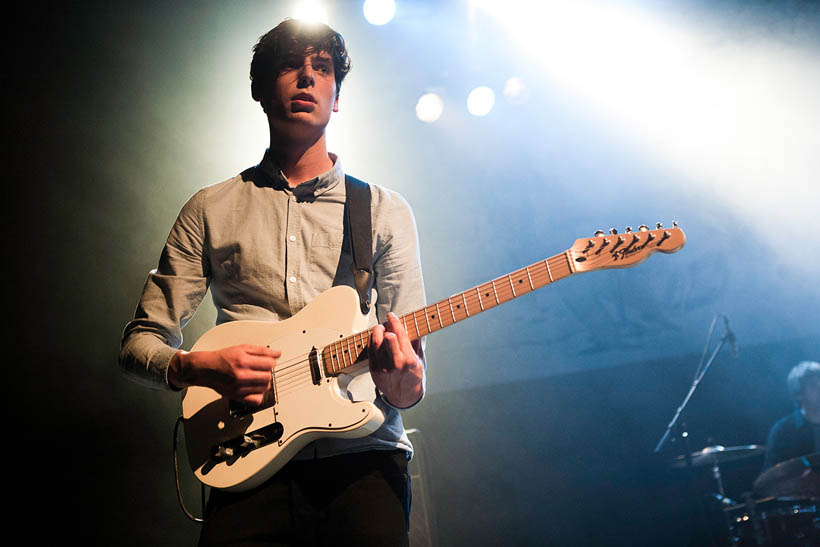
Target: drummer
[{"x": 798, "y": 433}]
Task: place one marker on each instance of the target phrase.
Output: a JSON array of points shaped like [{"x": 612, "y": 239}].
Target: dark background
[{"x": 541, "y": 417}]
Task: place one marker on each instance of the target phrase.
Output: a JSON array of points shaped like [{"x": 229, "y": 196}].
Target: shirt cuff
[{"x": 383, "y": 398}]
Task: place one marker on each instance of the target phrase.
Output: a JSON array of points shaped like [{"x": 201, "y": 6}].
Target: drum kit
[{"x": 782, "y": 508}]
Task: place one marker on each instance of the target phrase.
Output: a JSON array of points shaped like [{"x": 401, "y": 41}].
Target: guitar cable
[{"x": 176, "y": 478}]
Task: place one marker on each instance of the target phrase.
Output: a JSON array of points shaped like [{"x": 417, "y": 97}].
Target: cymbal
[
  {"x": 796, "y": 478},
  {"x": 717, "y": 454}
]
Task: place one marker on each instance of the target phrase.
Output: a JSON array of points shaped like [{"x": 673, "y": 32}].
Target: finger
[
  {"x": 377, "y": 350},
  {"x": 250, "y": 386},
  {"x": 262, "y": 350},
  {"x": 398, "y": 327},
  {"x": 395, "y": 324},
  {"x": 259, "y": 363},
  {"x": 376, "y": 338},
  {"x": 254, "y": 399},
  {"x": 394, "y": 347},
  {"x": 242, "y": 391}
]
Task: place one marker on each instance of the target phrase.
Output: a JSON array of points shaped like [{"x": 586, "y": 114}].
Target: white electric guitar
[{"x": 326, "y": 342}]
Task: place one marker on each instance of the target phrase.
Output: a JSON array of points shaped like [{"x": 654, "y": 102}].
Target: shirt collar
[{"x": 308, "y": 189}]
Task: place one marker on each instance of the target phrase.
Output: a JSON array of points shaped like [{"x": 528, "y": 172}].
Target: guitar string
[
  {"x": 286, "y": 379},
  {"x": 283, "y": 375},
  {"x": 539, "y": 274}
]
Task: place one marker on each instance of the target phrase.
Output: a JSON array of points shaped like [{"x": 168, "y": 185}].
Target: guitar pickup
[{"x": 313, "y": 360}]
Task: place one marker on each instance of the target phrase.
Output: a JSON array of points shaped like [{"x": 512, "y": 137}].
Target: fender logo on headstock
[{"x": 625, "y": 249}]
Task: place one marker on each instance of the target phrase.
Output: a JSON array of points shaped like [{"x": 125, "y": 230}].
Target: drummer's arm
[{"x": 774, "y": 447}]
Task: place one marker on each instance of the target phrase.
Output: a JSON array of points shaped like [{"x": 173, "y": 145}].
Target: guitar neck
[{"x": 347, "y": 353}]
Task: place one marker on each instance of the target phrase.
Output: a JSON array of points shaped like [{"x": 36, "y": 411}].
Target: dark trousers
[{"x": 361, "y": 499}]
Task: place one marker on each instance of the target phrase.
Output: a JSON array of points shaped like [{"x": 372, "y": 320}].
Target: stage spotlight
[
  {"x": 516, "y": 91},
  {"x": 310, "y": 12},
  {"x": 379, "y": 12},
  {"x": 480, "y": 101},
  {"x": 429, "y": 107}
]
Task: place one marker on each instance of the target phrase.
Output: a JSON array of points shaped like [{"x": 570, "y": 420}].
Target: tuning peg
[
  {"x": 613, "y": 231},
  {"x": 675, "y": 223},
  {"x": 659, "y": 225},
  {"x": 599, "y": 233},
  {"x": 643, "y": 228},
  {"x": 629, "y": 229}
]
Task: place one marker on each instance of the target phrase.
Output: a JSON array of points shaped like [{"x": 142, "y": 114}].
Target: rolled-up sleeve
[
  {"x": 397, "y": 262},
  {"x": 169, "y": 299}
]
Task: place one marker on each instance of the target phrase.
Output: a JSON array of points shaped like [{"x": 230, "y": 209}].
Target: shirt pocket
[{"x": 325, "y": 258}]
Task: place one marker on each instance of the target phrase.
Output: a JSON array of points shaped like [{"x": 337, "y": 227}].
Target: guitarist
[{"x": 267, "y": 242}]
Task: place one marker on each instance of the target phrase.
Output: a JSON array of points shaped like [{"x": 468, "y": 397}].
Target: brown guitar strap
[{"x": 359, "y": 226}]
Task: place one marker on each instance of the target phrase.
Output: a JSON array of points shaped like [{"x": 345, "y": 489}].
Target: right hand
[{"x": 241, "y": 373}]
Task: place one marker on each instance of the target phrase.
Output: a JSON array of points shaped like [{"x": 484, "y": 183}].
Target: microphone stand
[
  {"x": 726, "y": 338},
  {"x": 702, "y": 370}
]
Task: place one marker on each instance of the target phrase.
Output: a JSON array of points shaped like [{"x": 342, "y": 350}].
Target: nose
[{"x": 306, "y": 75}]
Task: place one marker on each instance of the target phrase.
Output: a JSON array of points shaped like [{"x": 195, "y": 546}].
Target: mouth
[{"x": 304, "y": 98}]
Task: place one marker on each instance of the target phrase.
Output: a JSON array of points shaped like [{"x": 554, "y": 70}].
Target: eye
[{"x": 292, "y": 63}]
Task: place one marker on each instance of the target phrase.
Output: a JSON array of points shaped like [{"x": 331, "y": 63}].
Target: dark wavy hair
[{"x": 292, "y": 38}]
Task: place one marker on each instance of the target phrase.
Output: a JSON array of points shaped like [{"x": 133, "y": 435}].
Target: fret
[
  {"x": 512, "y": 286},
  {"x": 415, "y": 321},
  {"x": 351, "y": 353},
  {"x": 549, "y": 273},
  {"x": 366, "y": 339},
  {"x": 495, "y": 292},
  {"x": 342, "y": 353},
  {"x": 478, "y": 292},
  {"x": 569, "y": 262},
  {"x": 333, "y": 358},
  {"x": 438, "y": 313},
  {"x": 427, "y": 320},
  {"x": 450, "y": 303},
  {"x": 529, "y": 278},
  {"x": 465, "y": 304},
  {"x": 326, "y": 360}
]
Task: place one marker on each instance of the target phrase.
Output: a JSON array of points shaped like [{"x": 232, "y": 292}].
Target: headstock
[{"x": 624, "y": 250}]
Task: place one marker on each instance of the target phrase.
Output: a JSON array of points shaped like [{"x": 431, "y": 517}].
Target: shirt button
[
  {"x": 292, "y": 238},
  {"x": 292, "y": 279}
]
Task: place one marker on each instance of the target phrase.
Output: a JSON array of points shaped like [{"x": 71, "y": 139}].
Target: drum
[{"x": 774, "y": 522}]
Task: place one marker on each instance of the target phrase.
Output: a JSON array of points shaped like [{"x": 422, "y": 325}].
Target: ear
[{"x": 336, "y": 104}]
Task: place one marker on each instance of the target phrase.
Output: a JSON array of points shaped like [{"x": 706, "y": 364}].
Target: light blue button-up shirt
[{"x": 266, "y": 250}]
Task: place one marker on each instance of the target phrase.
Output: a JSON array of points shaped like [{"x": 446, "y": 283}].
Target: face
[
  {"x": 303, "y": 96},
  {"x": 809, "y": 400}
]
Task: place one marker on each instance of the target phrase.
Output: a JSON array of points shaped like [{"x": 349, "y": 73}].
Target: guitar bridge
[{"x": 235, "y": 448}]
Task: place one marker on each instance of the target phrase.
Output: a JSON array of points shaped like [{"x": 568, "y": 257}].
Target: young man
[
  {"x": 267, "y": 242},
  {"x": 797, "y": 434}
]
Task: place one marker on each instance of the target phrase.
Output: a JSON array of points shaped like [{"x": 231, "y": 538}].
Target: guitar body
[{"x": 305, "y": 407}]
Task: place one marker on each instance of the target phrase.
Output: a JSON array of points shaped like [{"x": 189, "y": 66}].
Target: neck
[{"x": 300, "y": 161}]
